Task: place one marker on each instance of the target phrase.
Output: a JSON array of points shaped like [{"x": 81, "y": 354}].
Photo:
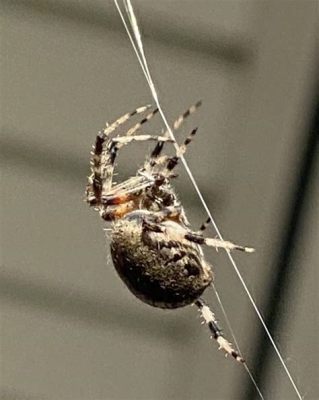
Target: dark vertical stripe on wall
[{"x": 287, "y": 270}]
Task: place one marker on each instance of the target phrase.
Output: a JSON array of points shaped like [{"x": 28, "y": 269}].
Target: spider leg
[
  {"x": 173, "y": 161},
  {"x": 204, "y": 225},
  {"x": 177, "y": 212},
  {"x": 123, "y": 140},
  {"x": 186, "y": 114},
  {"x": 138, "y": 126},
  {"x": 98, "y": 159},
  {"x": 217, "y": 243},
  {"x": 111, "y": 128},
  {"x": 217, "y": 334},
  {"x": 177, "y": 123},
  {"x": 104, "y": 154}
]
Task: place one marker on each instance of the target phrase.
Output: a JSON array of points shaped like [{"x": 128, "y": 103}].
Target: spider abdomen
[{"x": 156, "y": 263}]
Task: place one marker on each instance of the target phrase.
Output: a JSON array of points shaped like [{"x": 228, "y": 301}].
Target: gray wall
[{"x": 69, "y": 327}]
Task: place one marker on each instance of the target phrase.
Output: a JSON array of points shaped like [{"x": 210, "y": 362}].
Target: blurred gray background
[{"x": 69, "y": 327}]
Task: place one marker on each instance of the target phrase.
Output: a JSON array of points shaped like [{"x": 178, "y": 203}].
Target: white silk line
[{"x": 142, "y": 60}]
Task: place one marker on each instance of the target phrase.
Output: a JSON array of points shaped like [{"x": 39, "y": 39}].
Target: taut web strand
[{"x": 143, "y": 63}]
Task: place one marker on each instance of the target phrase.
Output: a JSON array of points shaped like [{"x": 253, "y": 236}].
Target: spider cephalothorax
[{"x": 153, "y": 248}]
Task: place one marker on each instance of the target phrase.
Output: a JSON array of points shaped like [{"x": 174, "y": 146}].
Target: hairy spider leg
[
  {"x": 121, "y": 120},
  {"x": 124, "y": 140},
  {"x": 138, "y": 126},
  {"x": 186, "y": 114},
  {"x": 176, "y": 125},
  {"x": 217, "y": 243},
  {"x": 204, "y": 225},
  {"x": 217, "y": 334},
  {"x": 174, "y": 212},
  {"x": 173, "y": 161},
  {"x": 94, "y": 187}
]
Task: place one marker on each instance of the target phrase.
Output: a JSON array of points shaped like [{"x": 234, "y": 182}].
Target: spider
[{"x": 154, "y": 250}]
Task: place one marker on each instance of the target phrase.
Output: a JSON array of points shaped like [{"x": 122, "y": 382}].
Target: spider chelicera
[{"x": 153, "y": 248}]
